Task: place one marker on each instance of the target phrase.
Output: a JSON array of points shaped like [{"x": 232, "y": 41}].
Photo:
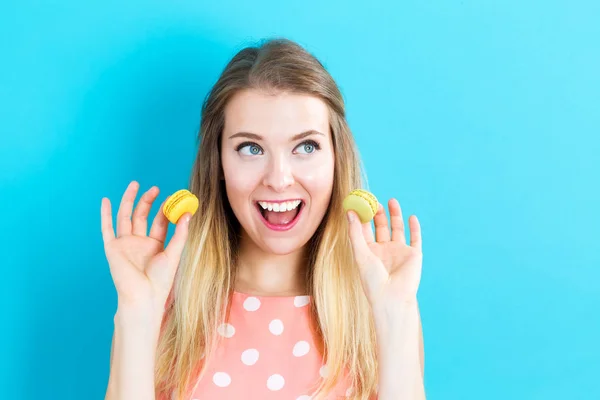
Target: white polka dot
[
  {"x": 323, "y": 371},
  {"x": 251, "y": 304},
  {"x": 301, "y": 301},
  {"x": 304, "y": 397},
  {"x": 250, "y": 356},
  {"x": 275, "y": 382},
  {"x": 301, "y": 348},
  {"x": 226, "y": 330},
  {"x": 221, "y": 379},
  {"x": 276, "y": 327}
]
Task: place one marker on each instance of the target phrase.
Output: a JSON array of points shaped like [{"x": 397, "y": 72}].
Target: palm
[
  {"x": 390, "y": 269},
  {"x": 133, "y": 254},
  {"x": 401, "y": 263}
]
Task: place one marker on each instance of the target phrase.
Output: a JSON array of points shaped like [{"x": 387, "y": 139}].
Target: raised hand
[
  {"x": 390, "y": 269},
  {"x": 142, "y": 268}
]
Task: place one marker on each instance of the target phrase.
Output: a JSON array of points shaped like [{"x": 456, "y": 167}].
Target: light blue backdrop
[{"x": 482, "y": 117}]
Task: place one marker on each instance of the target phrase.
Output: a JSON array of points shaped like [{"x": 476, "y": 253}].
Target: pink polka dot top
[{"x": 268, "y": 352}]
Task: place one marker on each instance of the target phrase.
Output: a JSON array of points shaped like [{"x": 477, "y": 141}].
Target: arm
[
  {"x": 132, "y": 359},
  {"x": 400, "y": 349},
  {"x": 421, "y": 345},
  {"x": 390, "y": 272},
  {"x": 143, "y": 271}
]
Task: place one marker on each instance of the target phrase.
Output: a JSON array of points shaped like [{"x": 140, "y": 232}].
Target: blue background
[{"x": 482, "y": 117}]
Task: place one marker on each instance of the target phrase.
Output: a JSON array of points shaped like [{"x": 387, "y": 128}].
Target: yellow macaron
[
  {"x": 365, "y": 204},
  {"x": 179, "y": 203}
]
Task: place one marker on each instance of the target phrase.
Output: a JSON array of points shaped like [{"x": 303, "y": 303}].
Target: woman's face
[{"x": 278, "y": 164}]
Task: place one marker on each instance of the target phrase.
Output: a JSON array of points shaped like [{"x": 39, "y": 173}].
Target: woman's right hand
[{"x": 141, "y": 267}]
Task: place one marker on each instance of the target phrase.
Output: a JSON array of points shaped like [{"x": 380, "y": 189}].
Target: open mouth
[{"x": 280, "y": 216}]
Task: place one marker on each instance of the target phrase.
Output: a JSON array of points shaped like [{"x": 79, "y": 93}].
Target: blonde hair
[{"x": 204, "y": 282}]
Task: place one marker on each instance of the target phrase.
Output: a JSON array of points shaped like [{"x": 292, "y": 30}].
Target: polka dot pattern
[
  {"x": 268, "y": 350},
  {"x": 250, "y": 356},
  {"x": 301, "y": 301},
  {"x": 275, "y": 382},
  {"x": 323, "y": 371},
  {"x": 276, "y": 327},
  {"x": 301, "y": 348},
  {"x": 226, "y": 330},
  {"x": 251, "y": 304},
  {"x": 221, "y": 379}
]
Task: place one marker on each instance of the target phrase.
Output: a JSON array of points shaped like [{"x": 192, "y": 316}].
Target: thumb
[
  {"x": 357, "y": 239},
  {"x": 164, "y": 267}
]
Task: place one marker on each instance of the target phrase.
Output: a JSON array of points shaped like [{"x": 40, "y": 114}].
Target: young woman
[{"x": 270, "y": 291}]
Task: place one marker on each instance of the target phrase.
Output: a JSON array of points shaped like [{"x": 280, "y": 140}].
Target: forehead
[{"x": 271, "y": 115}]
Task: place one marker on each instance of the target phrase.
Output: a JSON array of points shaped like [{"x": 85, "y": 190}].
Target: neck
[{"x": 265, "y": 274}]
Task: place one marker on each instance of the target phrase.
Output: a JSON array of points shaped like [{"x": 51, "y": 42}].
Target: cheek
[
  {"x": 239, "y": 188},
  {"x": 318, "y": 177},
  {"x": 240, "y": 180},
  {"x": 238, "y": 191}
]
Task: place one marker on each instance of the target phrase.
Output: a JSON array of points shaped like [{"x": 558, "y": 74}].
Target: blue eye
[
  {"x": 249, "y": 149},
  {"x": 308, "y": 147}
]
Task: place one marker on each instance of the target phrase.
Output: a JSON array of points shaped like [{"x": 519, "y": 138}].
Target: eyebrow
[{"x": 254, "y": 136}]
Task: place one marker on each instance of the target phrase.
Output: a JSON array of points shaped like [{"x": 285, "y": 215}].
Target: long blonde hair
[{"x": 204, "y": 281}]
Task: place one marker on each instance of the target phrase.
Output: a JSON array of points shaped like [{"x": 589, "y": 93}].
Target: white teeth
[{"x": 280, "y": 207}]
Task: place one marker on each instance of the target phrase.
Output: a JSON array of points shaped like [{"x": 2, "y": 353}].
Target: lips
[{"x": 280, "y": 221}]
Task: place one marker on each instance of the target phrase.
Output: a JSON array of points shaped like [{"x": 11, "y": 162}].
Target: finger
[
  {"x": 397, "y": 221},
  {"x": 359, "y": 243},
  {"x": 140, "y": 214},
  {"x": 177, "y": 242},
  {"x": 106, "y": 223},
  {"x": 125, "y": 209},
  {"x": 164, "y": 270},
  {"x": 382, "y": 230},
  {"x": 160, "y": 224},
  {"x": 367, "y": 230},
  {"x": 415, "y": 233}
]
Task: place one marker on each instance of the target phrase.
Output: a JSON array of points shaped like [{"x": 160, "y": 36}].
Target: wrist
[
  {"x": 391, "y": 310},
  {"x": 392, "y": 319},
  {"x": 136, "y": 317},
  {"x": 138, "y": 337}
]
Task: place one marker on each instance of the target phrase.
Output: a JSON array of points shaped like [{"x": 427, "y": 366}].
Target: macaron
[
  {"x": 179, "y": 203},
  {"x": 364, "y": 203}
]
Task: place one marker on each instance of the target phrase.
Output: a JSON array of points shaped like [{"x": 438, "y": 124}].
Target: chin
[{"x": 281, "y": 247}]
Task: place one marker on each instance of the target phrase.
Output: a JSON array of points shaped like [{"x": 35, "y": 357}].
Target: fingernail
[{"x": 350, "y": 217}]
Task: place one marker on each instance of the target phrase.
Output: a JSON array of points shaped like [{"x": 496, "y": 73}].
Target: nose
[{"x": 279, "y": 174}]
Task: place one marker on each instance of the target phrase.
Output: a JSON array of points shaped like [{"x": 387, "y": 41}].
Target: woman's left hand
[{"x": 390, "y": 269}]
